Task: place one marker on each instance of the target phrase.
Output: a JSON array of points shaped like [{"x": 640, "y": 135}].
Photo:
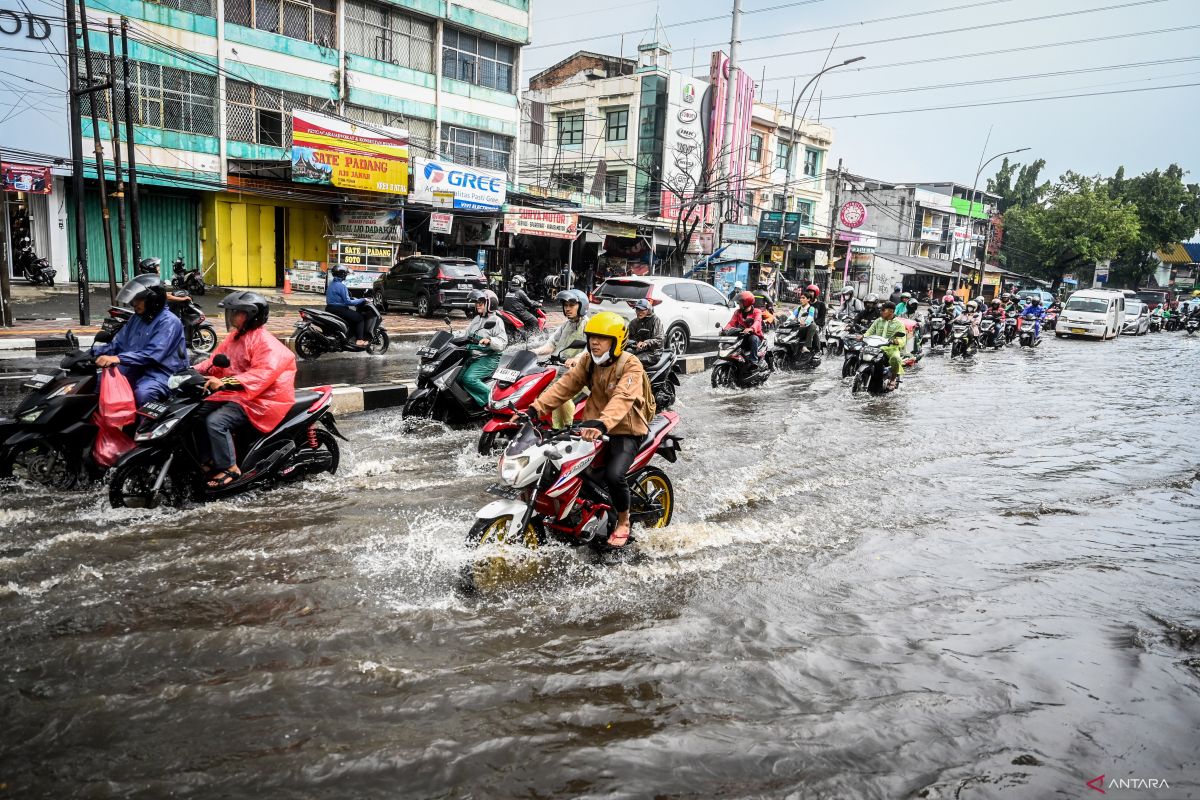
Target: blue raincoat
[{"x": 150, "y": 353}]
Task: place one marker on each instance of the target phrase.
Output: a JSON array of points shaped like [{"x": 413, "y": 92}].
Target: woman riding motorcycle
[
  {"x": 749, "y": 320},
  {"x": 614, "y": 407},
  {"x": 150, "y": 348},
  {"x": 485, "y": 345},
  {"x": 339, "y": 303}
]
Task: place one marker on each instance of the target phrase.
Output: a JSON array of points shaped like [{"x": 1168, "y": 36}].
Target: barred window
[
  {"x": 387, "y": 34},
  {"x": 812, "y": 162},
  {"x": 783, "y": 154},
  {"x": 260, "y": 115},
  {"x": 475, "y": 59},
  {"x": 310, "y": 20},
  {"x": 756, "y": 147},
  {"x": 202, "y": 7},
  {"x": 420, "y": 131},
  {"x": 164, "y": 97},
  {"x": 476, "y": 148}
]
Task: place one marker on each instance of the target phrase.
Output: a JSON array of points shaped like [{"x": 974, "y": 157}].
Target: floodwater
[{"x": 983, "y": 585}]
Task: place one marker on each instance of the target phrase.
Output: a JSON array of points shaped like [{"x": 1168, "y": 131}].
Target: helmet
[
  {"x": 574, "y": 296},
  {"x": 995, "y": 302},
  {"x": 1006, "y": 296},
  {"x": 972, "y": 305},
  {"x": 253, "y": 303},
  {"x": 898, "y": 287},
  {"x": 1036, "y": 299},
  {"x": 484, "y": 296},
  {"x": 745, "y": 300},
  {"x": 906, "y": 295},
  {"x": 339, "y": 271},
  {"x": 148, "y": 266},
  {"x": 848, "y": 291},
  {"x": 610, "y": 324},
  {"x": 816, "y": 290},
  {"x": 872, "y": 298},
  {"x": 517, "y": 281},
  {"x": 144, "y": 287},
  {"x": 739, "y": 286},
  {"x": 949, "y": 298}
]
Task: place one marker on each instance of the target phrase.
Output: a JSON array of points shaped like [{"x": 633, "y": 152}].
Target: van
[{"x": 1099, "y": 313}]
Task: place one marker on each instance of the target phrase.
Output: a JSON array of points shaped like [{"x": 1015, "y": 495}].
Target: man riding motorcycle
[
  {"x": 645, "y": 331},
  {"x": 519, "y": 304},
  {"x": 738, "y": 286},
  {"x": 894, "y": 331},
  {"x": 257, "y": 388},
  {"x": 614, "y": 407},
  {"x": 575, "y": 308},
  {"x": 748, "y": 319},
  {"x": 897, "y": 290},
  {"x": 150, "y": 347},
  {"x": 339, "y": 303},
  {"x": 850, "y": 306},
  {"x": 870, "y": 311},
  {"x": 1035, "y": 310},
  {"x": 484, "y": 345}
]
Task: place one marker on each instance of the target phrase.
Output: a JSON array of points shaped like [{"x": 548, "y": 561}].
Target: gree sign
[{"x": 473, "y": 188}]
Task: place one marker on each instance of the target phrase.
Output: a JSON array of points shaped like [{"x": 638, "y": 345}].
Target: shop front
[{"x": 250, "y": 240}]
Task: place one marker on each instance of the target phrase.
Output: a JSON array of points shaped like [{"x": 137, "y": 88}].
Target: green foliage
[
  {"x": 1168, "y": 211},
  {"x": 1022, "y": 192}
]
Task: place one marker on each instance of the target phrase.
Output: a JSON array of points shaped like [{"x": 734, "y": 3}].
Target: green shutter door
[{"x": 170, "y": 224}]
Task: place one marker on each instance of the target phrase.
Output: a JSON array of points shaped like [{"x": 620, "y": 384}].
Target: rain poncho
[
  {"x": 266, "y": 370},
  {"x": 150, "y": 353},
  {"x": 484, "y": 358},
  {"x": 894, "y": 331}
]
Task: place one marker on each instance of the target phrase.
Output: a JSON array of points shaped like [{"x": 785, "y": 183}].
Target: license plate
[
  {"x": 38, "y": 381},
  {"x": 1078, "y": 330},
  {"x": 466, "y": 286},
  {"x": 426, "y": 352},
  {"x": 507, "y": 375},
  {"x": 153, "y": 410}
]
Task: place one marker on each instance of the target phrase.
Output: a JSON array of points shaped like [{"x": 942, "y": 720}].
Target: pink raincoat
[{"x": 265, "y": 368}]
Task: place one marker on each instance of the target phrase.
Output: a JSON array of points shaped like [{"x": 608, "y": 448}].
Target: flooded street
[{"x": 984, "y": 584}]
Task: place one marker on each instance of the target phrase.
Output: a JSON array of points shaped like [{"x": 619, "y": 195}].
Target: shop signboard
[
  {"x": 26, "y": 178},
  {"x": 307, "y": 276},
  {"x": 335, "y": 152},
  {"x": 472, "y": 188},
  {"x": 777, "y": 255},
  {"x": 770, "y": 226},
  {"x": 931, "y": 233},
  {"x": 366, "y": 261},
  {"x": 683, "y": 141},
  {"x": 614, "y": 229},
  {"x": 440, "y": 222},
  {"x": 384, "y": 225},
  {"x": 738, "y": 233},
  {"x": 540, "y": 222}
]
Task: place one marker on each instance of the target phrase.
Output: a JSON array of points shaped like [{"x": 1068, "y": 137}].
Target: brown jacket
[{"x": 616, "y": 397}]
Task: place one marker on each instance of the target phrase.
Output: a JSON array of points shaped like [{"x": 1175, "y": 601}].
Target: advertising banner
[
  {"x": 472, "y": 188},
  {"x": 738, "y": 233},
  {"x": 742, "y": 86},
  {"x": 931, "y": 233},
  {"x": 539, "y": 222},
  {"x": 384, "y": 225},
  {"x": 335, "y": 152},
  {"x": 770, "y": 226},
  {"x": 683, "y": 142},
  {"x": 440, "y": 223},
  {"x": 26, "y": 178},
  {"x": 307, "y": 276}
]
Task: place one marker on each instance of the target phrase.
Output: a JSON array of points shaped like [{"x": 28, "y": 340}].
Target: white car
[
  {"x": 690, "y": 310},
  {"x": 1137, "y": 317}
]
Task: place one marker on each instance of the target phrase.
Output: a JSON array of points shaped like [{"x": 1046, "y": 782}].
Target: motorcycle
[
  {"x": 201, "y": 336},
  {"x": 548, "y": 491},
  {"x": 518, "y": 331},
  {"x": 29, "y": 265},
  {"x": 1050, "y": 319},
  {"x": 873, "y": 372},
  {"x": 787, "y": 353},
  {"x": 1173, "y": 323},
  {"x": 835, "y": 330},
  {"x": 939, "y": 334},
  {"x": 962, "y": 344},
  {"x": 166, "y": 464},
  {"x": 1030, "y": 335},
  {"x": 1191, "y": 325},
  {"x": 189, "y": 280},
  {"x": 1156, "y": 323},
  {"x": 1011, "y": 329},
  {"x": 991, "y": 333},
  {"x": 732, "y": 368},
  {"x": 319, "y": 331},
  {"x": 439, "y": 395}
]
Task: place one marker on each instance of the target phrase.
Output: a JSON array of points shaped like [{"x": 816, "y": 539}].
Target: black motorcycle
[
  {"x": 319, "y": 331},
  {"x": 734, "y": 369},
  {"x": 991, "y": 333},
  {"x": 962, "y": 343},
  {"x": 939, "y": 330},
  {"x": 200, "y": 335},
  {"x": 1191, "y": 325},
  {"x": 873, "y": 372},
  {"x": 166, "y": 464},
  {"x": 189, "y": 280},
  {"x": 1031, "y": 336},
  {"x": 30, "y": 266},
  {"x": 788, "y": 352},
  {"x": 1010, "y": 329},
  {"x": 660, "y": 368},
  {"x": 439, "y": 394}
]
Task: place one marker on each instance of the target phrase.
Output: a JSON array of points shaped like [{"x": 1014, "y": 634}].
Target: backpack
[{"x": 648, "y": 408}]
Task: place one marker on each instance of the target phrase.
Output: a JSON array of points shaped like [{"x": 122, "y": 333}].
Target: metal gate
[{"x": 169, "y": 223}]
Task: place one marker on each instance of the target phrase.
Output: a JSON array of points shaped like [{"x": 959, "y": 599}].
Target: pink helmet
[{"x": 949, "y": 298}]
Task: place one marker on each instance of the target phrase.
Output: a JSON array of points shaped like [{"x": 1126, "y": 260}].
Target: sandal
[
  {"x": 621, "y": 540},
  {"x": 223, "y": 479}
]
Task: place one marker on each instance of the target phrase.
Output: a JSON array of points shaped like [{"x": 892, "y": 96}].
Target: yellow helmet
[{"x": 611, "y": 324}]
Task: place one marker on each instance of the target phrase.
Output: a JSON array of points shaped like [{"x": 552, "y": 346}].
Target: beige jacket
[{"x": 616, "y": 397}]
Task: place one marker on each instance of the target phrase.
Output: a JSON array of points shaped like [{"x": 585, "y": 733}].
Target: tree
[
  {"x": 1168, "y": 211},
  {"x": 1024, "y": 191}
]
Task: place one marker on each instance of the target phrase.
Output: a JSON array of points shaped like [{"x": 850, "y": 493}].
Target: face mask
[{"x": 602, "y": 360}]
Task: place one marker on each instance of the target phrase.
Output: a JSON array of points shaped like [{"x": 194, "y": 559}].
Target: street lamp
[{"x": 971, "y": 210}]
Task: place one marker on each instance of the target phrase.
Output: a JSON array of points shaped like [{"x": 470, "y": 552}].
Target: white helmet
[{"x": 737, "y": 287}]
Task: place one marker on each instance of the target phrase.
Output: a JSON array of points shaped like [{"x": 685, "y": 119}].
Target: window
[
  {"x": 386, "y": 34},
  {"x": 756, "y": 147},
  {"x": 616, "y": 186},
  {"x": 420, "y": 131},
  {"x": 688, "y": 293},
  {"x": 616, "y": 125},
  {"x": 569, "y": 181},
  {"x": 477, "y": 60},
  {"x": 711, "y": 296},
  {"x": 310, "y": 20},
  {"x": 570, "y": 130},
  {"x": 812, "y": 162},
  {"x": 670, "y": 291},
  {"x": 168, "y": 98},
  {"x": 260, "y": 115},
  {"x": 783, "y": 154},
  {"x": 476, "y": 148},
  {"x": 202, "y": 7},
  {"x": 777, "y": 202},
  {"x": 748, "y": 202}
]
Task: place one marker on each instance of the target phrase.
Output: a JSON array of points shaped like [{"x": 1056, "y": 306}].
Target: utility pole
[
  {"x": 135, "y": 224},
  {"x": 6, "y": 315},
  {"x": 116, "y": 148},
  {"x": 726, "y": 152},
  {"x": 81, "y": 260},
  {"x": 833, "y": 215},
  {"x": 95, "y": 91}
]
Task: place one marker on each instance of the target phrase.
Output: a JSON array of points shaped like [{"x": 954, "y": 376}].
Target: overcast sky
[{"x": 1092, "y": 135}]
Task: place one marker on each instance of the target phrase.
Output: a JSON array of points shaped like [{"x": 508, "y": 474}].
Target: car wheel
[
  {"x": 424, "y": 306},
  {"x": 381, "y": 300},
  {"x": 678, "y": 340}
]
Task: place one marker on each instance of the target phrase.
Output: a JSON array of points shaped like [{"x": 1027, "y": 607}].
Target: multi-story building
[
  {"x": 217, "y": 82},
  {"x": 787, "y": 157}
]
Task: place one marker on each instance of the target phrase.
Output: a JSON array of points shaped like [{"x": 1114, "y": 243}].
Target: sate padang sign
[{"x": 338, "y": 153}]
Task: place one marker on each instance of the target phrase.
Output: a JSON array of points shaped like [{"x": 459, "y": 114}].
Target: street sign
[{"x": 770, "y": 226}]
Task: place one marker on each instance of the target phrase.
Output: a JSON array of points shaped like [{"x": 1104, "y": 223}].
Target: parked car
[
  {"x": 690, "y": 310},
  {"x": 1092, "y": 312},
  {"x": 1137, "y": 317},
  {"x": 429, "y": 285}
]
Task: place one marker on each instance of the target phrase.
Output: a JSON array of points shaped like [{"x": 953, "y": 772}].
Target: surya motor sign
[{"x": 474, "y": 189}]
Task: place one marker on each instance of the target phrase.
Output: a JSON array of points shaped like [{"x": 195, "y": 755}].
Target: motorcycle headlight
[
  {"x": 31, "y": 416},
  {"x": 63, "y": 391},
  {"x": 427, "y": 369},
  {"x": 511, "y": 466},
  {"x": 161, "y": 429}
]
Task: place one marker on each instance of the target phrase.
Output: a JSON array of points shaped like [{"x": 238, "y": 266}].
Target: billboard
[
  {"x": 539, "y": 222},
  {"x": 335, "y": 152},
  {"x": 473, "y": 189},
  {"x": 382, "y": 225},
  {"x": 683, "y": 143},
  {"x": 742, "y": 86}
]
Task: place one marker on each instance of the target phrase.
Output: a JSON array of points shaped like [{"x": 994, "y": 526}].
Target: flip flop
[
  {"x": 624, "y": 541},
  {"x": 223, "y": 479}
]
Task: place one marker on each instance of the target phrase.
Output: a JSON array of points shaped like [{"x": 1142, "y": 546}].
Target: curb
[{"x": 369, "y": 397}]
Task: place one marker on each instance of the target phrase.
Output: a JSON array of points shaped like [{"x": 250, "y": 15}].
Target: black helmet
[
  {"x": 484, "y": 296},
  {"x": 149, "y": 266},
  {"x": 144, "y": 287},
  {"x": 253, "y": 303},
  {"x": 517, "y": 281},
  {"x": 338, "y": 271}
]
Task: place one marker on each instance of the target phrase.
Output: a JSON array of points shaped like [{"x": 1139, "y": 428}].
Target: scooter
[
  {"x": 1011, "y": 326},
  {"x": 787, "y": 353},
  {"x": 548, "y": 490},
  {"x": 1156, "y": 323},
  {"x": 189, "y": 280},
  {"x": 873, "y": 373},
  {"x": 439, "y": 394},
  {"x": 33, "y": 268},
  {"x": 1050, "y": 319},
  {"x": 166, "y": 464},
  {"x": 319, "y": 331},
  {"x": 962, "y": 344},
  {"x": 991, "y": 334},
  {"x": 1191, "y": 325},
  {"x": 518, "y": 331},
  {"x": 1030, "y": 335},
  {"x": 733, "y": 368},
  {"x": 939, "y": 334},
  {"x": 835, "y": 330},
  {"x": 201, "y": 336}
]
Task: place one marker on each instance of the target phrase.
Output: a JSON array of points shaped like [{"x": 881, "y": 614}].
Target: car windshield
[
  {"x": 1151, "y": 298},
  {"x": 460, "y": 269},
  {"x": 1087, "y": 305},
  {"x": 1132, "y": 309},
  {"x": 623, "y": 290}
]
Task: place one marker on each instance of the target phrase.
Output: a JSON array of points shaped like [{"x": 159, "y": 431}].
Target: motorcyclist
[
  {"x": 949, "y": 306},
  {"x": 257, "y": 388},
  {"x": 971, "y": 316},
  {"x": 814, "y": 297},
  {"x": 519, "y": 304},
  {"x": 645, "y": 332},
  {"x": 805, "y": 315},
  {"x": 339, "y": 303},
  {"x": 996, "y": 313},
  {"x": 1035, "y": 310},
  {"x": 575, "y": 308},
  {"x": 870, "y": 311},
  {"x": 747, "y": 319},
  {"x": 614, "y": 407},
  {"x": 903, "y": 303},
  {"x": 150, "y": 347},
  {"x": 897, "y": 290},
  {"x": 484, "y": 345},
  {"x": 850, "y": 305},
  {"x": 894, "y": 331},
  {"x": 738, "y": 286}
]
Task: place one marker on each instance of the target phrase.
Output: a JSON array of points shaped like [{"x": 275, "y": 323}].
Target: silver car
[{"x": 1137, "y": 318}]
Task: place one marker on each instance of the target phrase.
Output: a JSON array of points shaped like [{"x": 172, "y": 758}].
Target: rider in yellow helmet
[{"x": 613, "y": 408}]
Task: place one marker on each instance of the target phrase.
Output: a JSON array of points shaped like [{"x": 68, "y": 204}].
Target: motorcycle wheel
[
  {"x": 132, "y": 484},
  {"x": 847, "y": 368},
  {"x": 380, "y": 344},
  {"x": 498, "y": 531},
  {"x": 204, "y": 339},
  {"x": 198, "y": 287},
  {"x": 44, "y": 462},
  {"x": 307, "y": 346},
  {"x": 652, "y": 486},
  {"x": 495, "y": 572},
  {"x": 857, "y": 386},
  {"x": 780, "y": 360},
  {"x": 957, "y": 350},
  {"x": 723, "y": 376},
  {"x": 664, "y": 398},
  {"x": 492, "y": 441}
]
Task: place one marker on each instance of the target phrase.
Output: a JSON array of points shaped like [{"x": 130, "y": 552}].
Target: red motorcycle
[
  {"x": 518, "y": 381},
  {"x": 549, "y": 489},
  {"x": 517, "y": 330}
]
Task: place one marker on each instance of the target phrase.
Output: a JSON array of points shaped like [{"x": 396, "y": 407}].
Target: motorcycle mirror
[
  {"x": 102, "y": 337},
  {"x": 446, "y": 319},
  {"x": 221, "y": 360},
  {"x": 578, "y": 343}
]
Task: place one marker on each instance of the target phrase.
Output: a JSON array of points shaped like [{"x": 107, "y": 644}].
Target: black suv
[{"x": 428, "y": 284}]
